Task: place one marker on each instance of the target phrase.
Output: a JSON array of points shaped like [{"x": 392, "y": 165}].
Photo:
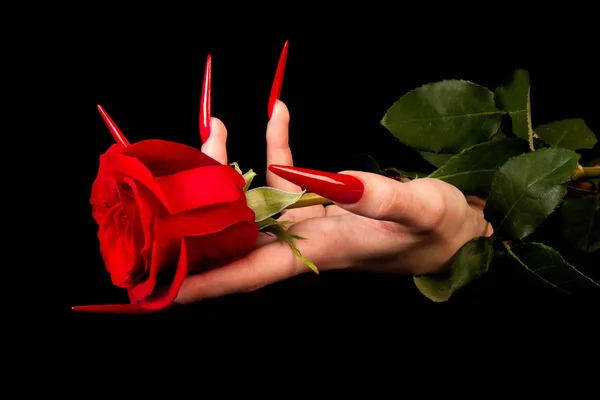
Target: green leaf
[
  {"x": 581, "y": 222},
  {"x": 572, "y": 134},
  {"x": 268, "y": 201},
  {"x": 248, "y": 177},
  {"x": 439, "y": 159},
  {"x": 548, "y": 266},
  {"x": 276, "y": 228},
  {"x": 471, "y": 262},
  {"x": 392, "y": 171},
  {"x": 500, "y": 135},
  {"x": 527, "y": 189},
  {"x": 436, "y": 159},
  {"x": 515, "y": 98},
  {"x": 444, "y": 117},
  {"x": 473, "y": 169}
]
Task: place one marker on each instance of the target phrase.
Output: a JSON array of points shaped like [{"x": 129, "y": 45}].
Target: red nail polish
[
  {"x": 205, "y": 101},
  {"x": 114, "y": 129},
  {"x": 278, "y": 81},
  {"x": 113, "y": 309},
  {"x": 335, "y": 187}
]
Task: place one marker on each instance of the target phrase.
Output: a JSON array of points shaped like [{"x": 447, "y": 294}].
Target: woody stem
[
  {"x": 586, "y": 172},
  {"x": 309, "y": 199}
]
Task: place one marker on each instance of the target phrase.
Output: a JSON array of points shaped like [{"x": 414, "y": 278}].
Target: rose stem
[
  {"x": 309, "y": 199},
  {"x": 586, "y": 172}
]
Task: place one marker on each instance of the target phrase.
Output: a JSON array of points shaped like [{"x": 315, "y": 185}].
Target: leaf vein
[
  {"x": 526, "y": 189},
  {"x": 532, "y": 271},
  {"x": 454, "y": 116},
  {"x": 463, "y": 173}
]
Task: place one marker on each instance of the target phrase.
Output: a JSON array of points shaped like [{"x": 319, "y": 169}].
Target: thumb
[{"x": 372, "y": 195}]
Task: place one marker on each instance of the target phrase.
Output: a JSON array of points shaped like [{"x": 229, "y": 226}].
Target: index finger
[{"x": 278, "y": 146}]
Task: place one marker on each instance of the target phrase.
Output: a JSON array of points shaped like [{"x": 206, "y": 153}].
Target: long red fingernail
[
  {"x": 114, "y": 129},
  {"x": 335, "y": 187},
  {"x": 114, "y": 309},
  {"x": 205, "y": 102},
  {"x": 278, "y": 81}
]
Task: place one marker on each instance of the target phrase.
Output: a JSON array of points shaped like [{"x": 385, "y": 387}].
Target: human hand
[{"x": 375, "y": 224}]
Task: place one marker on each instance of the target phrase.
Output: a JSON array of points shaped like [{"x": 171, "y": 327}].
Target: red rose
[{"x": 165, "y": 210}]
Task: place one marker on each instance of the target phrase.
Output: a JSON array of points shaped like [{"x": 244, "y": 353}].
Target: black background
[{"x": 341, "y": 77}]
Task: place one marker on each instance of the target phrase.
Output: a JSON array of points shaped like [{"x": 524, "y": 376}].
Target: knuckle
[
  {"x": 389, "y": 199},
  {"x": 434, "y": 208}
]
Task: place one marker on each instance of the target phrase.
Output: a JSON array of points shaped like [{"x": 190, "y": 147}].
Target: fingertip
[
  {"x": 216, "y": 144},
  {"x": 217, "y": 128},
  {"x": 281, "y": 113}
]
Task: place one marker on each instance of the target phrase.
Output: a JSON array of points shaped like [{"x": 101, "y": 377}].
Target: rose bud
[{"x": 166, "y": 210}]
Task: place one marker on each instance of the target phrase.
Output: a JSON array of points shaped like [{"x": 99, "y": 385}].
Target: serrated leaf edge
[{"x": 516, "y": 258}]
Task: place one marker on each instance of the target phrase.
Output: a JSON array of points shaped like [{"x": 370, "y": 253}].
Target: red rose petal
[
  {"x": 201, "y": 187},
  {"x": 185, "y": 190},
  {"x": 166, "y": 294},
  {"x": 162, "y": 157},
  {"x": 116, "y": 252},
  {"x": 205, "y": 220},
  {"x": 164, "y": 253},
  {"x": 146, "y": 211},
  {"x": 114, "y": 309},
  {"x": 120, "y": 166},
  {"x": 171, "y": 228},
  {"x": 103, "y": 172},
  {"x": 215, "y": 250}
]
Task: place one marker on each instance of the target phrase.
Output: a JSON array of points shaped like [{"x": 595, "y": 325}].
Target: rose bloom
[{"x": 165, "y": 210}]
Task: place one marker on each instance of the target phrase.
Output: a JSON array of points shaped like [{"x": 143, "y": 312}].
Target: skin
[{"x": 406, "y": 228}]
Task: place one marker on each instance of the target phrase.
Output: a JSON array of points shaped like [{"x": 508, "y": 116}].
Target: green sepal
[
  {"x": 248, "y": 176},
  {"x": 276, "y": 228},
  {"x": 236, "y": 166},
  {"x": 267, "y": 201},
  {"x": 392, "y": 172}
]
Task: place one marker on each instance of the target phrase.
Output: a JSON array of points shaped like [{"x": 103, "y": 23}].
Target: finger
[
  {"x": 278, "y": 148},
  {"x": 269, "y": 264},
  {"x": 334, "y": 210},
  {"x": 420, "y": 202},
  {"x": 216, "y": 144},
  {"x": 279, "y": 152},
  {"x": 264, "y": 239}
]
